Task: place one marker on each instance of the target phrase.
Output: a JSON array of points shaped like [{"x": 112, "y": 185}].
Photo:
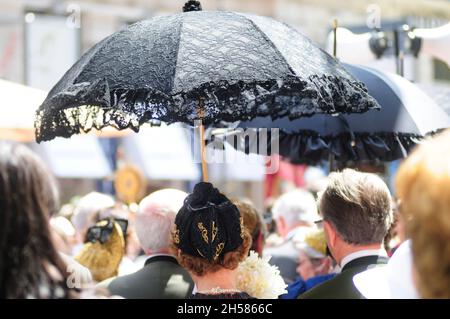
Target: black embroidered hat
[{"x": 208, "y": 225}]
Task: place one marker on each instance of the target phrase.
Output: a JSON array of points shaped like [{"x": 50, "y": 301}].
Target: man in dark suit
[
  {"x": 162, "y": 277},
  {"x": 356, "y": 216}
]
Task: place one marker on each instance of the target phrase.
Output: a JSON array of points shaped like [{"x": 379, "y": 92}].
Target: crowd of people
[{"x": 351, "y": 239}]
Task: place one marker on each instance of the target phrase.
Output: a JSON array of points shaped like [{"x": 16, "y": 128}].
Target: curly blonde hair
[
  {"x": 423, "y": 186},
  {"x": 230, "y": 260}
]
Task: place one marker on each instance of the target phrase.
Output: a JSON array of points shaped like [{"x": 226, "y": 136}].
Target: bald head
[{"x": 155, "y": 218}]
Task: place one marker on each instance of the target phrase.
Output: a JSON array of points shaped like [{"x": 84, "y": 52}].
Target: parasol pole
[
  {"x": 397, "y": 51},
  {"x": 202, "y": 141},
  {"x": 331, "y": 166},
  {"x": 401, "y": 64},
  {"x": 335, "y": 26}
]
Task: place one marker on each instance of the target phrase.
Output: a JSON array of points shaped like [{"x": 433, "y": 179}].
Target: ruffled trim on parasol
[
  {"x": 308, "y": 147},
  {"x": 94, "y": 105}
]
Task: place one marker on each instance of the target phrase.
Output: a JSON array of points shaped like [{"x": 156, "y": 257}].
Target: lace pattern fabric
[{"x": 240, "y": 66}]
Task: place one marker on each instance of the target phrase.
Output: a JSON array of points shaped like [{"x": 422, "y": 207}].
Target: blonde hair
[{"x": 423, "y": 186}]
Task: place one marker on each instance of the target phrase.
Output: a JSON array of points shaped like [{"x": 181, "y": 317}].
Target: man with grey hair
[
  {"x": 291, "y": 211},
  {"x": 162, "y": 276},
  {"x": 356, "y": 216}
]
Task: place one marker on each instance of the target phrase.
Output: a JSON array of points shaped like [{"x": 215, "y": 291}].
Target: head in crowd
[
  {"x": 209, "y": 233},
  {"x": 293, "y": 209},
  {"x": 104, "y": 249},
  {"x": 312, "y": 246},
  {"x": 118, "y": 211},
  {"x": 254, "y": 223},
  {"x": 155, "y": 219},
  {"x": 86, "y": 211},
  {"x": 122, "y": 213},
  {"x": 356, "y": 212},
  {"x": 63, "y": 234},
  {"x": 423, "y": 186},
  {"x": 30, "y": 266}
]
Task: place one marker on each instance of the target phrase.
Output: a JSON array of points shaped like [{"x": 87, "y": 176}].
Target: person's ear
[{"x": 325, "y": 265}]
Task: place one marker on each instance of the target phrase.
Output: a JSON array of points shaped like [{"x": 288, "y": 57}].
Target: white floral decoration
[{"x": 259, "y": 279}]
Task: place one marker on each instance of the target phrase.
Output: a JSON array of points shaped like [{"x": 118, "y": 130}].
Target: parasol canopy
[
  {"x": 407, "y": 115},
  {"x": 198, "y": 65}
]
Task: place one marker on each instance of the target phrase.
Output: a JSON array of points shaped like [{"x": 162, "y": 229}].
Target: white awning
[
  {"x": 232, "y": 165},
  {"x": 163, "y": 153},
  {"x": 18, "y": 105},
  {"x": 81, "y": 156}
]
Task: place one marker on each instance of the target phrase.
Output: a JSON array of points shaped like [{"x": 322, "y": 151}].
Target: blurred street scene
[{"x": 399, "y": 50}]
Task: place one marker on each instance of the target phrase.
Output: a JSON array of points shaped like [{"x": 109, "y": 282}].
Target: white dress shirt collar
[{"x": 362, "y": 253}]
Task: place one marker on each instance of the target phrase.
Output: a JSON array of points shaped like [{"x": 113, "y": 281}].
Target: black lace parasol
[{"x": 239, "y": 66}]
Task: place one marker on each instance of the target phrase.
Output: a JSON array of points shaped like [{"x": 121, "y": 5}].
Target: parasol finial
[{"x": 192, "y": 5}]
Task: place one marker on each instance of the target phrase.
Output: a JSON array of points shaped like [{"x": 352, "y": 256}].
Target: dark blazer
[
  {"x": 161, "y": 278},
  {"x": 285, "y": 257},
  {"x": 341, "y": 286}
]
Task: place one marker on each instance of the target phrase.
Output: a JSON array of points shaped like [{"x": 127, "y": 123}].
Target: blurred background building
[{"x": 41, "y": 39}]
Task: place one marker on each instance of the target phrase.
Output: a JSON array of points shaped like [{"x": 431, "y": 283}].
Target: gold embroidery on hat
[
  {"x": 204, "y": 232},
  {"x": 176, "y": 236},
  {"x": 241, "y": 219},
  {"x": 214, "y": 231},
  {"x": 200, "y": 253},
  {"x": 219, "y": 249}
]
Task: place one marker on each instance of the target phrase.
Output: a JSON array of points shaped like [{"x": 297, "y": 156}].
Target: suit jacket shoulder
[
  {"x": 341, "y": 286},
  {"x": 285, "y": 257},
  {"x": 159, "y": 279}
]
